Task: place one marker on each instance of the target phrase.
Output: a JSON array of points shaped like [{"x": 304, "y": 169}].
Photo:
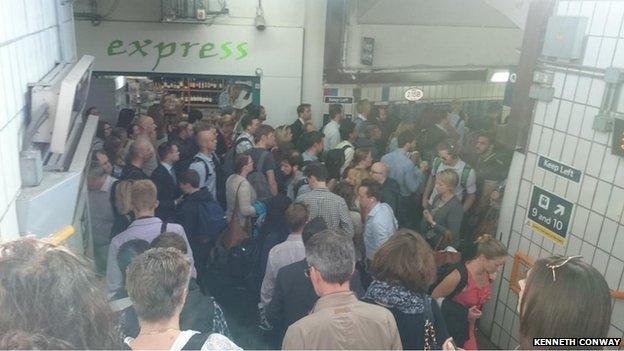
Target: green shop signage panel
[
  {"x": 549, "y": 215},
  {"x": 191, "y": 49}
]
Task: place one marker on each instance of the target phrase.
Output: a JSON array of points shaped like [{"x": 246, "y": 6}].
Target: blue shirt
[
  {"x": 403, "y": 170},
  {"x": 380, "y": 226}
]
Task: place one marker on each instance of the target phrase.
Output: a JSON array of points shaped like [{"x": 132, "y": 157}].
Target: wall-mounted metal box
[{"x": 564, "y": 37}]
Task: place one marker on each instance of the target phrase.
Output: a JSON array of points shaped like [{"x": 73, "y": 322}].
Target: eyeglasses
[{"x": 553, "y": 266}]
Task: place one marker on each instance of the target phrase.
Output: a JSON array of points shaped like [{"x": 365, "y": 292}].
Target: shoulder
[
  {"x": 374, "y": 311},
  {"x": 217, "y": 341}
]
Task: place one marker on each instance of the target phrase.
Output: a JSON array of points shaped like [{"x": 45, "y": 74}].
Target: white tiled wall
[
  {"x": 562, "y": 130},
  {"x": 34, "y": 36}
]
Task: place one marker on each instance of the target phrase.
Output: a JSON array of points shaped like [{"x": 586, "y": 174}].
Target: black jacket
[
  {"x": 189, "y": 212},
  {"x": 297, "y": 131},
  {"x": 294, "y": 296},
  {"x": 168, "y": 191},
  {"x": 391, "y": 194},
  {"x": 132, "y": 172}
]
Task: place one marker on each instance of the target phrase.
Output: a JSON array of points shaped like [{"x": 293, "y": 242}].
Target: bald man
[
  {"x": 147, "y": 131},
  {"x": 391, "y": 191},
  {"x": 140, "y": 152},
  {"x": 207, "y": 164}
]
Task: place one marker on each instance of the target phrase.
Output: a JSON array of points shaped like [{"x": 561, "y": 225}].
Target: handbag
[{"x": 235, "y": 233}]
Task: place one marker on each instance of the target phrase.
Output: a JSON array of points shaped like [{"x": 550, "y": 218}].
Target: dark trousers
[
  {"x": 410, "y": 212},
  {"x": 201, "y": 252}
]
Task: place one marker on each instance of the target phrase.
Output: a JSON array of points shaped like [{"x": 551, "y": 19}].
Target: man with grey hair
[
  {"x": 141, "y": 151},
  {"x": 100, "y": 184},
  {"x": 339, "y": 320}
]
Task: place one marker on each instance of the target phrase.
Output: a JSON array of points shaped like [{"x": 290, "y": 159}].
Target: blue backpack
[{"x": 211, "y": 219}]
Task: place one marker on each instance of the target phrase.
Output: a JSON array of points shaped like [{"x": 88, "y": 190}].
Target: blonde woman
[{"x": 442, "y": 218}]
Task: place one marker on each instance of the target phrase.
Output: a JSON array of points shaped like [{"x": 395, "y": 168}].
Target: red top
[{"x": 473, "y": 295}]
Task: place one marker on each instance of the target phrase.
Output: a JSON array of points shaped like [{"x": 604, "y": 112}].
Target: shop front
[{"x": 138, "y": 64}]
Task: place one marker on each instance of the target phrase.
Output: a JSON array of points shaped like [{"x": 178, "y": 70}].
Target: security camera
[{"x": 260, "y": 22}]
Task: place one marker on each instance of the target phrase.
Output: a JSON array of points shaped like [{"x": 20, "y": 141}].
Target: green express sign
[{"x": 170, "y": 50}]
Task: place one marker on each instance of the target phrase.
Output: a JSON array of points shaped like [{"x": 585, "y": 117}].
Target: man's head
[
  {"x": 143, "y": 197},
  {"x": 335, "y": 112},
  {"x": 316, "y": 173},
  {"x": 169, "y": 239},
  {"x": 227, "y": 124},
  {"x": 157, "y": 283},
  {"x": 291, "y": 164},
  {"x": 147, "y": 127},
  {"x": 347, "y": 130},
  {"x": 168, "y": 153},
  {"x": 249, "y": 123},
  {"x": 101, "y": 157},
  {"x": 312, "y": 142},
  {"x": 447, "y": 151},
  {"x": 331, "y": 260},
  {"x": 185, "y": 130},
  {"x": 483, "y": 143},
  {"x": 374, "y": 131},
  {"x": 369, "y": 193},
  {"x": 189, "y": 181},
  {"x": 364, "y": 108},
  {"x": 304, "y": 111},
  {"x": 265, "y": 136},
  {"x": 379, "y": 172},
  {"x": 296, "y": 217},
  {"x": 382, "y": 113},
  {"x": 141, "y": 150},
  {"x": 207, "y": 140},
  {"x": 406, "y": 140},
  {"x": 194, "y": 115},
  {"x": 96, "y": 177},
  {"x": 314, "y": 225}
]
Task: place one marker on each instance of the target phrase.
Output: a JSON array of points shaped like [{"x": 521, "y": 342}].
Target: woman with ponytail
[{"x": 469, "y": 288}]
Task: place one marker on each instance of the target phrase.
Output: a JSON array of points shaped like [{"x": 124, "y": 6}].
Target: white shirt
[
  {"x": 332, "y": 134},
  {"x": 380, "y": 226},
  {"x": 281, "y": 255},
  {"x": 215, "y": 341}
]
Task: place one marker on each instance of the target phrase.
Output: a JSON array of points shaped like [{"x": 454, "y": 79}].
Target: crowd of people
[{"x": 369, "y": 233}]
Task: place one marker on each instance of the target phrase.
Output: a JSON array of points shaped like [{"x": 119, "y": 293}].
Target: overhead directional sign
[
  {"x": 338, "y": 100},
  {"x": 549, "y": 215},
  {"x": 560, "y": 169}
]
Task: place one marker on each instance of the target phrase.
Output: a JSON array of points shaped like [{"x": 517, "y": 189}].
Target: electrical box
[
  {"x": 541, "y": 93},
  {"x": 564, "y": 37},
  {"x": 617, "y": 147}
]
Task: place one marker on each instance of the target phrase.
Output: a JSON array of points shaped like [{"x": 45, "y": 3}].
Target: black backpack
[
  {"x": 334, "y": 160},
  {"x": 258, "y": 179}
]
